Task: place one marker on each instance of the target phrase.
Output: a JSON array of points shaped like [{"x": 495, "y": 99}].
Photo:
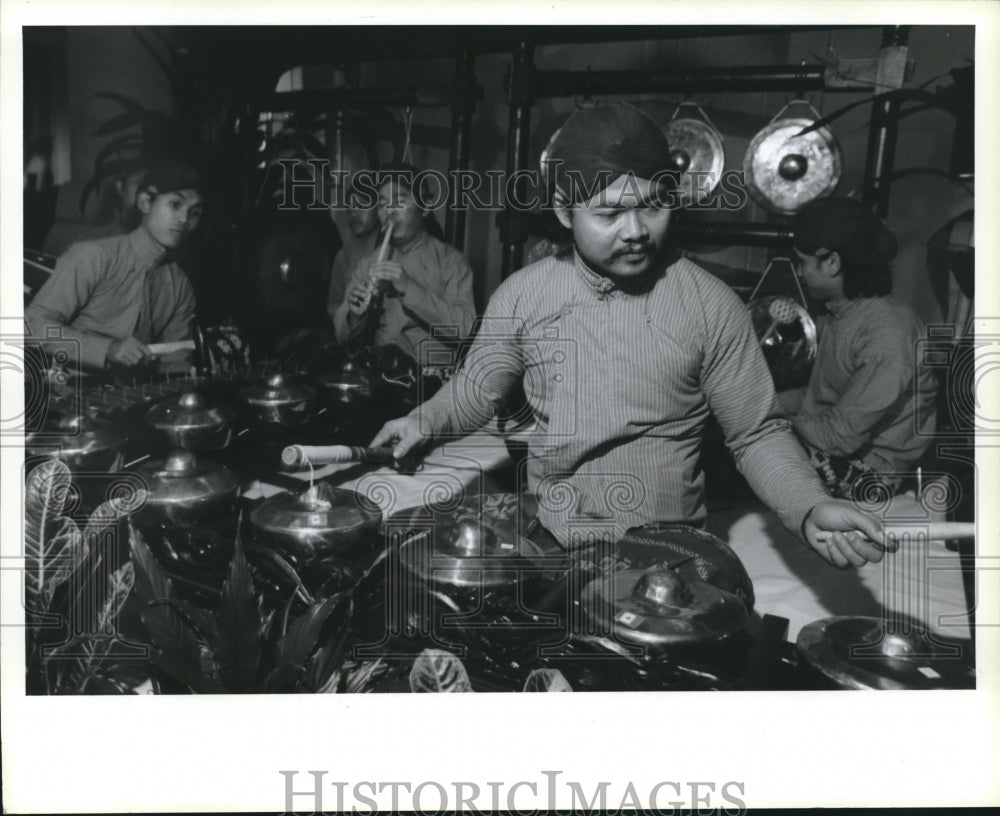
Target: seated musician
[
  {"x": 422, "y": 283},
  {"x": 868, "y": 415},
  {"x": 363, "y": 225},
  {"x": 624, "y": 348},
  {"x": 115, "y": 296}
]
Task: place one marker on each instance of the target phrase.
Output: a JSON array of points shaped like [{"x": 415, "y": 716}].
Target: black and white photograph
[{"x": 373, "y": 353}]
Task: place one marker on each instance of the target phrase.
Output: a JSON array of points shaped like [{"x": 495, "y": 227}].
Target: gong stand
[
  {"x": 460, "y": 96},
  {"x": 525, "y": 84}
]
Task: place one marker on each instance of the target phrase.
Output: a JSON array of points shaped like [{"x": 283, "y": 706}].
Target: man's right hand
[
  {"x": 404, "y": 435},
  {"x": 127, "y": 352},
  {"x": 359, "y": 297}
]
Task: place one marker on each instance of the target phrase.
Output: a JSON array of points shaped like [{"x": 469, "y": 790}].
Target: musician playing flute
[
  {"x": 420, "y": 283},
  {"x": 624, "y": 348},
  {"x": 362, "y": 239},
  {"x": 114, "y": 296}
]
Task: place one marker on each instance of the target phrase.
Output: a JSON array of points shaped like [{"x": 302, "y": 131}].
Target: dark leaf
[
  {"x": 151, "y": 582},
  {"x": 318, "y": 670},
  {"x": 89, "y": 585},
  {"x": 547, "y": 680},
  {"x": 299, "y": 642},
  {"x": 179, "y": 670},
  {"x": 176, "y": 56},
  {"x": 126, "y": 142},
  {"x": 125, "y": 101},
  {"x": 103, "y": 684},
  {"x": 168, "y": 70},
  {"x": 238, "y": 647},
  {"x": 132, "y": 673},
  {"x": 202, "y": 622},
  {"x": 122, "y": 582},
  {"x": 332, "y": 684},
  {"x": 104, "y": 516},
  {"x": 106, "y": 171},
  {"x": 170, "y": 67},
  {"x": 897, "y": 95},
  {"x": 287, "y": 570},
  {"x": 326, "y": 662},
  {"x": 53, "y": 544},
  {"x": 167, "y": 630},
  {"x": 438, "y": 672},
  {"x": 119, "y": 122},
  {"x": 363, "y": 678}
]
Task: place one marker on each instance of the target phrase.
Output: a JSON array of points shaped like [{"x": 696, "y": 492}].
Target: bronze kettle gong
[
  {"x": 317, "y": 521},
  {"x": 183, "y": 490},
  {"x": 192, "y": 422}
]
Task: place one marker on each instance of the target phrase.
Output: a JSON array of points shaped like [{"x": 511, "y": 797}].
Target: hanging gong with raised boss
[
  {"x": 784, "y": 169},
  {"x": 697, "y": 153}
]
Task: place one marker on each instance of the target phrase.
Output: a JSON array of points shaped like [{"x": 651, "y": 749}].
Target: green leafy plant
[
  {"x": 137, "y": 135},
  {"x": 65, "y": 582},
  {"x": 437, "y": 671},
  {"x": 242, "y": 647}
]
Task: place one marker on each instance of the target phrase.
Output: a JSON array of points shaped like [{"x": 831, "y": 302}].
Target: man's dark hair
[
  {"x": 861, "y": 280},
  {"x": 403, "y": 174},
  {"x": 846, "y": 226},
  {"x": 170, "y": 175}
]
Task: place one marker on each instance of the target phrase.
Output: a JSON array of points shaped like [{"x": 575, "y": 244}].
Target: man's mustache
[{"x": 637, "y": 246}]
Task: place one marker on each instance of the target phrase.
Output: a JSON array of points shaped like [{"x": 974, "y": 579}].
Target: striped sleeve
[
  {"x": 493, "y": 366},
  {"x": 881, "y": 381},
  {"x": 740, "y": 392}
]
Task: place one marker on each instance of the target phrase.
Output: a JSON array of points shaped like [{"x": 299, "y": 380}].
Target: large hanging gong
[
  {"x": 697, "y": 153},
  {"x": 543, "y": 161},
  {"x": 784, "y": 170}
]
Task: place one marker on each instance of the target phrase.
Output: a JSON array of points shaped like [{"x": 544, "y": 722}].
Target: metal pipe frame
[
  {"x": 462, "y": 109},
  {"x": 797, "y": 78},
  {"x": 525, "y": 84},
  {"x": 742, "y": 233},
  {"x": 882, "y": 135},
  {"x": 519, "y": 101}
]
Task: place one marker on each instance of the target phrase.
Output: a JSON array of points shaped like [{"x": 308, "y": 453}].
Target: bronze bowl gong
[
  {"x": 661, "y": 608},
  {"x": 864, "y": 653}
]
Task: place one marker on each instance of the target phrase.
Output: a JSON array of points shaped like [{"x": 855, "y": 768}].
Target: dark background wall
[{"x": 87, "y": 60}]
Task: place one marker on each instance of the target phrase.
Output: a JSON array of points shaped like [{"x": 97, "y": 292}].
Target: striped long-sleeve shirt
[
  {"x": 110, "y": 289},
  {"x": 439, "y": 304},
  {"x": 867, "y": 397},
  {"x": 621, "y": 386}
]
